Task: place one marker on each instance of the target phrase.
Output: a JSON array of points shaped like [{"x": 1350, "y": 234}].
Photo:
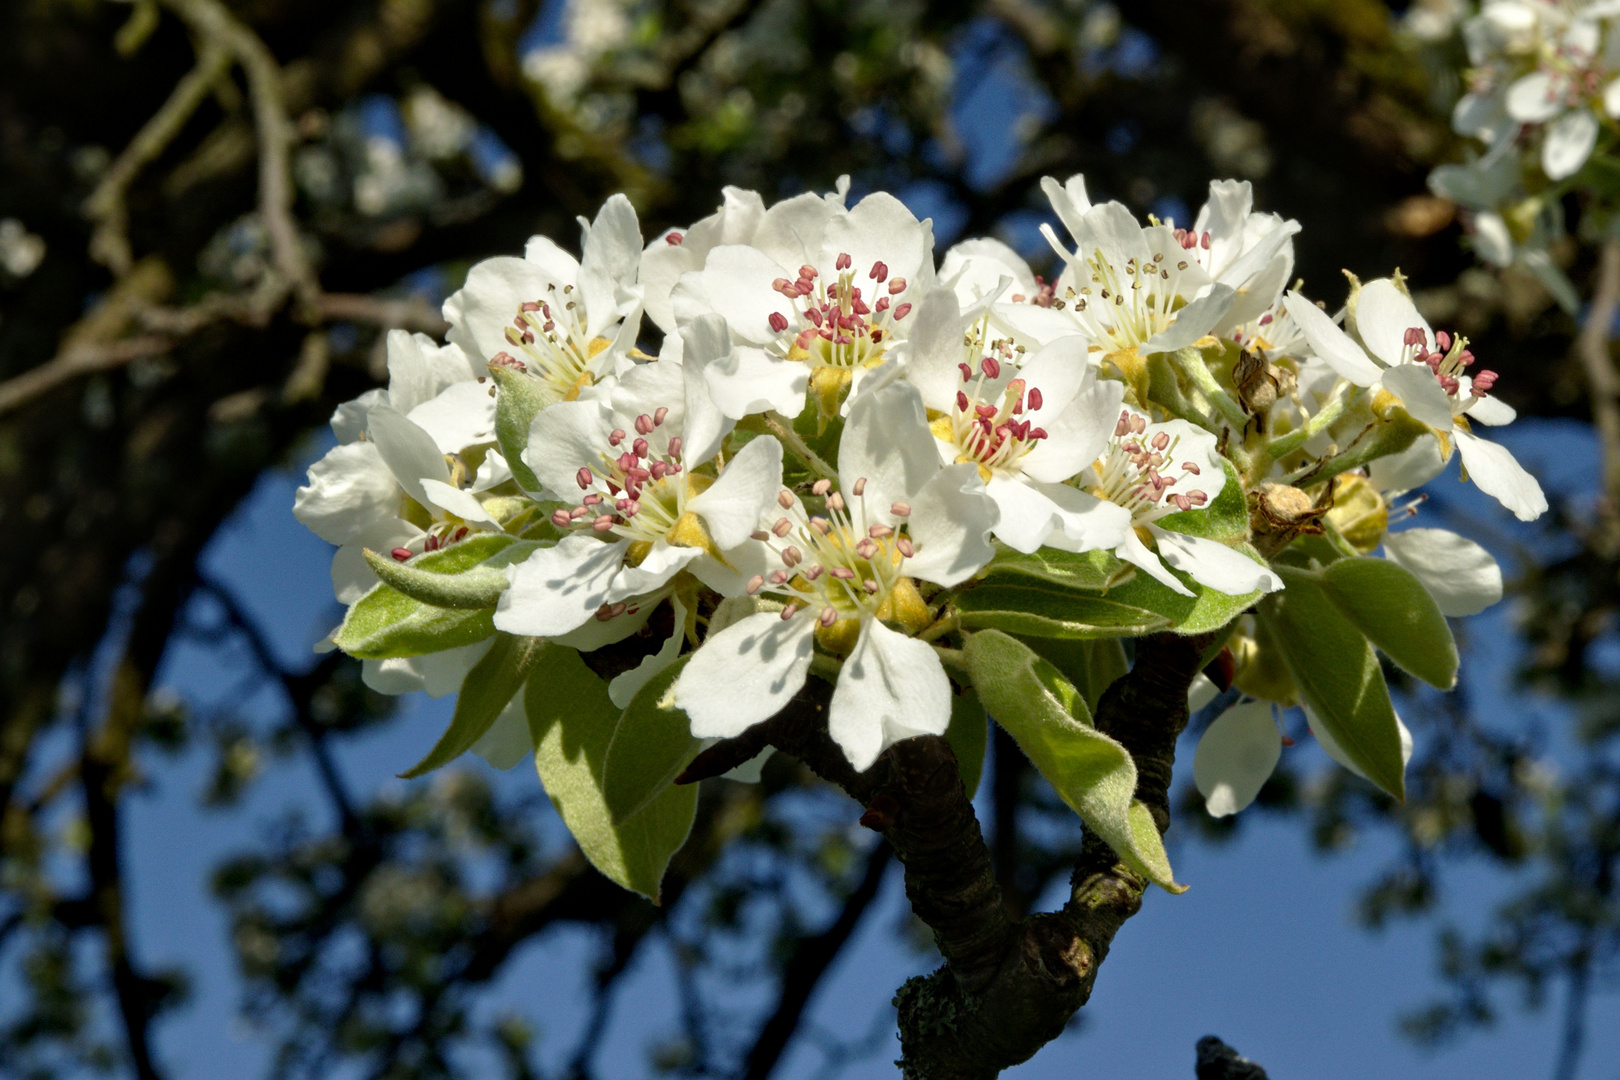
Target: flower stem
[
  {"x": 1191, "y": 362},
  {"x": 1283, "y": 445},
  {"x": 783, "y": 430}
]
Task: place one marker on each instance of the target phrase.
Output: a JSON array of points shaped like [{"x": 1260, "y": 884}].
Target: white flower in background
[
  {"x": 1149, "y": 471},
  {"x": 844, "y": 575},
  {"x": 565, "y": 322},
  {"x": 398, "y": 481},
  {"x": 1427, "y": 374},
  {"x": 821, "y": 288},
  {"x": 1236, "y": 756},
  {"x": 1560, "y": 93},
  {"x": 644, "y": 514},
  {"x": 1026, "y": 429}
]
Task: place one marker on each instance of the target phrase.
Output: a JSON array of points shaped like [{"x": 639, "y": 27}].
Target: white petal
[
  {"x": 1089, "y": 523},
  {"x": 596, "y": 633},
  {"x": 1114, "y": 231},
  {"x": 462, "y": 415},
  {"x": 1383, "y": 316},
  {"x": 485, "y": 306},
  {"x": 1420, "y": 394},
  {"x": 1236, "y": 757},
  {"x": 790, "y": 233},
  {"x": 352, "y": 576},
  {"x": 1535, "y": 97},
  {"x": 950, "y": 523},
  {"x": 410, "y": 452},
  {"x": 1069, "y": 201},
  {"x": 745, "y": 674},
  {"x": 748, "y": 381},
  {"x": 1493, "y": 411},
  {"x": 350, "y": 491},
  {"x": 892, "y": 687},
  {"x": 1330, "y": 343},
  {"x": 1411, "y": 468},
  {"x": 879, "y": 227},
  {"x": 507, "y": 741},
  {"x": 1027, "y": 517},
  {"x": 1214, "y": 565},
  {"x": 1336, "y": 752},
  {"x": 492, "y": 472},
  {"x": 1033, "y": 323},
  {"x": 886, "y": 441},
  {"x": 1567, "y": 143},
  {"x": 737, "y": 281},
  {"x": 662, "y": 265},
  {"x": 463, "y": 504},
  {"x": 627, "y": 684},
  {"x": 701, "y": 344},
  {"x": 733, "y": 504},
  {"x": 349, "y": 418},
  {"x": 1462, "y": 577},
  {"x": 1496, "y": 472},
  {"x": 1611, "y": 98},
  {"x": 437, "y": 673},
  {"x": 934, "y": 348},
  {"x": 1201, "y": 692},
  {"x": 661, "y": 563},
  {"x": 1193, "y": 321},
  {"x": 1060, "y": 370},
  {"x": 1077, "y": 435},
  {"x": 608, "y": 260},
  {"x": 557, "y": 589},
  {"x": 1133, "y": 551},
  {"x": 564, "y": 438},
  {"x": 981, "y": 267}
]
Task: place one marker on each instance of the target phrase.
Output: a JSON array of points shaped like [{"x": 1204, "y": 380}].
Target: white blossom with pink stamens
[
  {"x": 1149, "y": 471},
  {"x": 847, "y": 570},
  {"x": 1428, "y": 374}
]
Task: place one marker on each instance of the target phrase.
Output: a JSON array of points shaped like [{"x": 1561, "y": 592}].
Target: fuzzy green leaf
[
  {"x": 488, "y": 688},
  {"x": 469, "y": 590},
  {"x": 1091, "y": 772},
  {"x": 518, "y": 399},
  {"x": 571, "y": 720},
  {"x": 1395, "y": 611},
  {"x": 386, "y": 623},
  {"x": 1091, "y": 570},
  {"x": 1337, "y": 674},
  {"x": 968, "y": 735},
  {"x": 651, "y": 744},
  {"x": 1090, "y": 665},
  {"x": 1226, "y": 519},
  {"x": 1040, "y": 609}
]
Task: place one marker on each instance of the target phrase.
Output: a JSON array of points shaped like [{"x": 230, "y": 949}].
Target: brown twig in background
[{"x": 1593, "y": 348}]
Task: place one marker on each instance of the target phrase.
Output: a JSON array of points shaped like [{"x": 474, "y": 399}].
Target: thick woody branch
[{"x": 1008, "y": 986}]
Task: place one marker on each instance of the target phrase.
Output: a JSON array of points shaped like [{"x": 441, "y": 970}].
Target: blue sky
[{"x": 1261, "y": 950}]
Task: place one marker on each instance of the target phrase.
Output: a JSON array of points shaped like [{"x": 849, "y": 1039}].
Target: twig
[
  {"x": 75, "y": 363},
  {"x": 215, "y": 25},
  {"x": 110, "y": 243},
  {"x": 1593, "y": 347},
  {"x": 411, "y": 313}
]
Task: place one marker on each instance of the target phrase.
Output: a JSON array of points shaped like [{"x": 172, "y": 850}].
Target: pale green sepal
[
  {"x": 571, "y": 720},
  {"x": 652, "y": 742},
  {"x": 1389, "y": 605},
  {"x": 518, "y": 399},
  {"x": 1090, "y": 771},
  {"x": 469, "y": 590},
  {"x": 488, "y": 688},
  {"x": 1334, "y": 667},
  {"x": 968, "y": 735},
  {"x": 385, "y": 623}
]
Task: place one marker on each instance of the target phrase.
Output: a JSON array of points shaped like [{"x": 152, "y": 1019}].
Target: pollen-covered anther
[
  {"x": 784, "y": 499},
  {"x": 789, "y": 611},
  {"x": 584, "y": 478},
  {"x": 782, "y": 527},
  {"x": 755, "y": 583},
  {"x": 878, "y": 532},
  {"x": 860, "y": 487},
  {"x": 904, "y": 546},
  {"x": 900, "y": 509},
  {"x": 821, "y": 487},
  {"x": 829, "y": 615}
]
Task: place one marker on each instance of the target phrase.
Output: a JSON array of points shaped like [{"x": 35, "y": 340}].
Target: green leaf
[
  {"x": 1226, "y": 519},
  {"x": 1337, "y": 674},
  {"x": 968, "y": 735},
  {"x": 519, "y": 398},
  {"x": 1090, "y": 665},
  {"x": 386, "y": 623},
  {"x": 488, "y": 688},
  {"x": 1395, "y": 611},
  {"x": 1092, "y": 772},
  {"x": 571, "y": 720},
  {"x": 651, "y": 744},
  {"x": 469, "y": 590},
  {"x": 1091, "y": 570},
  {"x": 1206, "y": 610},
  {"x": 1040, "y": 609}
]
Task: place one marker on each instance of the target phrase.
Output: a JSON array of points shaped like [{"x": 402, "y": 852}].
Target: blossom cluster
[
  {"x": 1542, "y": 94},
  {"x": 846, "y": 454}
]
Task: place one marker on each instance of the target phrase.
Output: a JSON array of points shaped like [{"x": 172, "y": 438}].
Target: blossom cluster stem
[
  {"x": 782, "y": 428},
  {"x": 1283, "y": 445},
  {"x": 1191, "y": 363}
]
